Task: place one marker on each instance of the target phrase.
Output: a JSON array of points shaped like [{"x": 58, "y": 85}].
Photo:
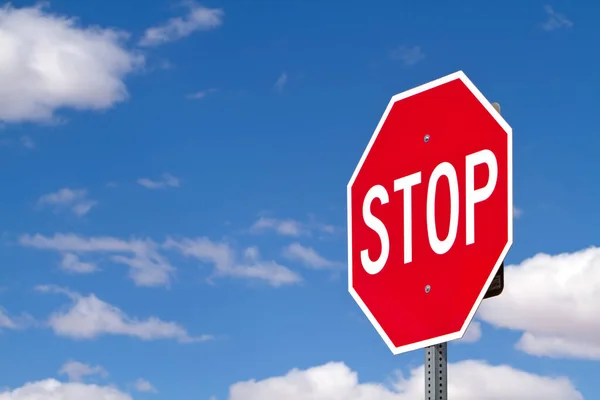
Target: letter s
[{"x": 374, "y": 267}]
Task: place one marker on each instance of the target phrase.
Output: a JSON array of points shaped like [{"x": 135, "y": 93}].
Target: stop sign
[{"x": 430, "y": 213}]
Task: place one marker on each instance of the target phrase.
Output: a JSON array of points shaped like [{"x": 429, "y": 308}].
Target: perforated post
[{"x": 436, "y": 367}]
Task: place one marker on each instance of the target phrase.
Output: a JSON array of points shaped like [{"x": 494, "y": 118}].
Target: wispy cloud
[
  {"x": 291, "y": 227},
  {"x": 281, "y": 82},
  {"x": 76, "y": 371},
  {"x": 167, "y": 180},
  {"x": 74, "y": 200},
  {"x": 555, "y": 20},
  {"x": 15, "y": 322},
  {"x": 71, "y": 263},
  {"x": 88, "y": 317},
  {"x": 142, "y": 385},
  {"x": 24, "y": 141},
  {"x": 27, "y": 142},
  {"x": 517, "y": 212},
  {"x": 200, "y": 94},
  {"x": 197, "y": 18},
  {"x": 223, "y": 257},
  {"x": 6, "y": 322},
  {"x": 285, "y": 227},
  {"x": 308, "y": 256},
  {"x": 408, "y": 55},
  {"x": 147, "y": 267}
]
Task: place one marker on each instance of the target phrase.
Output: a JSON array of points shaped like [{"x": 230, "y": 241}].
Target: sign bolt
[
  {"x": 426, "y": 138},
  {"x": 427, "y": 289}
]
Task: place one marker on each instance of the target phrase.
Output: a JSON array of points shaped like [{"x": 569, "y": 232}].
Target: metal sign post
[
  {"x": 436, "y": 357},
  {"x": 436, "y": 375}
]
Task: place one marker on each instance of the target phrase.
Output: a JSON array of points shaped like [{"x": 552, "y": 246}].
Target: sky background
[{"x": 173, "y": 216}]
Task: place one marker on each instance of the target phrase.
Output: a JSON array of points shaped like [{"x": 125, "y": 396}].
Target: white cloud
[
  {"x": 76, "y": 370},
  {"x": 52, "y": 389},
  {"x": 197, "y": 18},
  {"x": 408, "y": 55},
  {"x": 88, "y": 317},
  {"x": 71, "y": 263},
  {"x": 473, "y": 333},
  {"x": 553, "y": 299},
  {"x": 75, "y": 200},
  {"x": 307, "y": 256},
  {"x": 284, "y": 227},
  {"x": 142, "y": 385},
  {"x": 167, "y": 180},
  {"x": 48, "y": 62},
  {"x": 223, "y": 257},
  {"x": 555, "y": 20},
  {"x": 471, "y": 380},
  {"x": 147, "y": 267},
  {"x": 281, "y": 82}
]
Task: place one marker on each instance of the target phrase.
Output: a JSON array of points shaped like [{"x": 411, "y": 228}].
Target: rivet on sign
[
  {"x": 427, "y": 289},
  {"x": 426, "y": 138}
]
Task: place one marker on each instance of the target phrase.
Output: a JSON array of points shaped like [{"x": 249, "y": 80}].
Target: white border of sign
[{"x": 456, "y": 335}]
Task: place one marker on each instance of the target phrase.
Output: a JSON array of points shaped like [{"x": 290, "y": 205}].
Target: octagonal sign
[{"x": 430, "y": 213}]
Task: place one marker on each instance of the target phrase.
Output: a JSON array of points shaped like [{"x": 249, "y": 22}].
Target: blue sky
[{"x": 173, "y": 212}]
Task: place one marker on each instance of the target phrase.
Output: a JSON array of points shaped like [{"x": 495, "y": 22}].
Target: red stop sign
[{"x": 430, "y": 213}]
